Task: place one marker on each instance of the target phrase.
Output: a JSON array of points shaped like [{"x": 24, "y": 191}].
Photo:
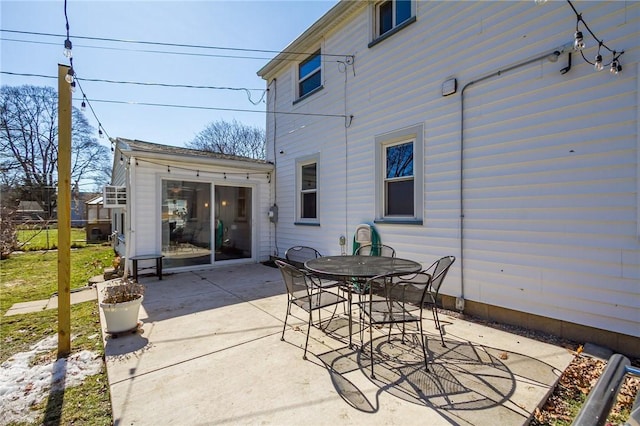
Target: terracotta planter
[{"x": 122, "y": 316}]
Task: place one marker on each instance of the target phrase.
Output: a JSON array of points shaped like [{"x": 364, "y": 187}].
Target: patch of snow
[{"x": 23, "y": 385}]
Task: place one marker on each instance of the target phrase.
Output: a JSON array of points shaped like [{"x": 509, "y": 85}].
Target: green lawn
[
  {"x": 31, "y": 276},
  {"x": 34, "y": 275},
  {"x": 47, "y": 239}
]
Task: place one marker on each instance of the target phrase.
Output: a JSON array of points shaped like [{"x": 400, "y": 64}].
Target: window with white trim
[
  {"x": 399, "y": 176},
  {"x": 307, "y": 189},
  {"x": 398, "y": 179},
  {"x": 310, "y": 74},
  {"x": 391, "y": 14}
]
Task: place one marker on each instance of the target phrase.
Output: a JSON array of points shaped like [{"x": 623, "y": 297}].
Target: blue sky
[{"x": 262, "y": 24}]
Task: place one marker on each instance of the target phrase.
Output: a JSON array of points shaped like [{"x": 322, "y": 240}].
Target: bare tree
[
  {"x": 232, "y": 138},
  {"x": 29, "y": 143}
]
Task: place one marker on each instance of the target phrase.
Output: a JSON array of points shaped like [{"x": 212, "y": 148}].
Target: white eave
[{"x": 336, "y": 15}]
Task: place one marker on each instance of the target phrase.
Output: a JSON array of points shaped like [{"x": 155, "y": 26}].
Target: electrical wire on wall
[{"x": 343, "y": 68}]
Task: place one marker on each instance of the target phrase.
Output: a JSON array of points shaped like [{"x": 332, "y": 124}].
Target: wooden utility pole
[{"x": 64, "y": 213}]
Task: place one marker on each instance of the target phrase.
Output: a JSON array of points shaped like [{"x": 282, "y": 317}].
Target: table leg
[
  {"x": 349, "y": 297},
  {"x": 159, "y": 267}
]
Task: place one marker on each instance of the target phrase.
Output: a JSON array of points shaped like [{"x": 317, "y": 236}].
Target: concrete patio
[{"x": 209, "y": 352}]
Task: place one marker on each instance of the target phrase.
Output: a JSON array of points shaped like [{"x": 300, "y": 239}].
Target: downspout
[
  {"x": 128, "y": 237},
  {"x": 551, "y": 56},
  {"x": 274, "y": 179}
]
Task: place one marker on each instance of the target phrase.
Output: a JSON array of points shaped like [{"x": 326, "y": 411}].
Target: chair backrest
[
  {"x": 399, "y": 293},
  {"x": 439, "y": 271},
  {"x": 299, "y": 254},
  {"x": 294, "y": 279},
  {"x": 376, "y": 250}
]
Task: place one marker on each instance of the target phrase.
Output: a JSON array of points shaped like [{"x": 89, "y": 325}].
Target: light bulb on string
[
  {"x": 578, "y": 43},
  {"x": 615, "y": 67},
  {"x": 100, "y": 135},
  {"x": 70, "y": 75},
  {"x": 72, "y": 86},
  {"x": 83, "y": 105},
  {"x": 121, "y": 159},
  {"x": 598, "y": 65},
  {"x": 67, "y": 49}
]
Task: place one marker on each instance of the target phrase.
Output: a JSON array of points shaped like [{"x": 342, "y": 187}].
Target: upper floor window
[
  {"x": 309, "y": 74},
  {"x": 390, "y": 14}
]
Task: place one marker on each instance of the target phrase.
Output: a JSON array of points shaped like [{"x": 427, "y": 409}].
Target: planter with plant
[{"x": 120, "y": 304}]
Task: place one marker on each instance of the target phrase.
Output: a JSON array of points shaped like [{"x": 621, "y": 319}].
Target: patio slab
[{"x": 209, "y": 352}]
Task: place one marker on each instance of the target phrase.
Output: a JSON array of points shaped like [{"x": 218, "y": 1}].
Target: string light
[
  {"x": 72, "y": 86},
  {"x": 579, "y": 45},
  {"x": 83, "y": 105},
  {"x": 615, "y": 67},
  {"x": 598, "y": 65},
  {"x": 70, "y": 75},
  {"x": 67, "y": 48},
  {"x": 173, "y": 168}
]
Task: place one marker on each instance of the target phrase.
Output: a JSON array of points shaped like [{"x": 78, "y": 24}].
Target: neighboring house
[
  {"x": 451, "y": 127},
  {"x": 97, "y": 219},
  {"x": 78, "y": 204},
  {"x": 29, "y": 211},
  {"x": 195, "y": 208}
]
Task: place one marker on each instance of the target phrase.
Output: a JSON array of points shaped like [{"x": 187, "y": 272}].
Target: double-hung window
[
  {"x": 307, "y": 188},
  {"x": 310, "y": 74},
  {"x": 399, "y": 176},
  {"x": 390, "y": 15},
  {"x": 399, "y": 179}
]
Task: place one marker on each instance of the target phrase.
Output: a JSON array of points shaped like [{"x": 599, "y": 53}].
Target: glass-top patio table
[{"x": 353, "y": 269}]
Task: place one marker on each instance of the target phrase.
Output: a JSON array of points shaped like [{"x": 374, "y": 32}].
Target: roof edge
[{"x": 333, "y": 15}]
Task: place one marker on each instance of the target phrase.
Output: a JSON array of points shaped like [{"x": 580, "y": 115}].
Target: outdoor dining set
[{"x": 382, "y": 290}]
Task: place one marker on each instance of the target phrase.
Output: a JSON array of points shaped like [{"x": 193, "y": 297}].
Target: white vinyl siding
[{"x": 550, "y": 183}]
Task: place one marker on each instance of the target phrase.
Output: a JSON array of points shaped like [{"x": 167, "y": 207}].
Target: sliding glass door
[
  {"x": 191, "y": 234},
  {"x": 233, "y": 233},
  {"x": 186, "y": 223}
]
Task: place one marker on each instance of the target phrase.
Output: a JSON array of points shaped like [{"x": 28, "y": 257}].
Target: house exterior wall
[
  {"x": 145, "y": 198},
  {"x": 543, "y": 166}
]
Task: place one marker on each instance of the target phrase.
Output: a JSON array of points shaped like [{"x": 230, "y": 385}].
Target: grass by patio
[
  {"x": 46, "y": 238},
  {"x": 32, "y": 276}
]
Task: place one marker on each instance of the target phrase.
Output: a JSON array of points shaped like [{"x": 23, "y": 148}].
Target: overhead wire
[
  {"x": 110, "y": 101},
  {"x": 139, "y": 83},
  {"x": 183, "y": 45},
  {"x": 176, "y": 105}
]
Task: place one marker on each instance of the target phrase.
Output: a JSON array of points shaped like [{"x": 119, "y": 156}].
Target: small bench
[{"x": 157, "y": 257}]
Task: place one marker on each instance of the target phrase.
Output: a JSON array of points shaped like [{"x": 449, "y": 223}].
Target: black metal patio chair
[
  {"x": 438, "y": 271},
  {"x": 303, "y": 290},
  {"x": 376, "y": 250},
  {"x": 395, "y": 300}
]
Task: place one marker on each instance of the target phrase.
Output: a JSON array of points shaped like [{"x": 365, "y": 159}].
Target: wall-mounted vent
[{"x": 115, "y": 196}]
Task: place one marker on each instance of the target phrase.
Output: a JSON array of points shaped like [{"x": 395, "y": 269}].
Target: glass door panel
[
  {"x": 186, "y": 223},
  {"x": 233, "y": 233}
]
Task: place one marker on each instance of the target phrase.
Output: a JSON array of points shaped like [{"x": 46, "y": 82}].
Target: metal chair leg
[
  {"x": 284, "y": 327},
  {"x": 306, "y": 343}
]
